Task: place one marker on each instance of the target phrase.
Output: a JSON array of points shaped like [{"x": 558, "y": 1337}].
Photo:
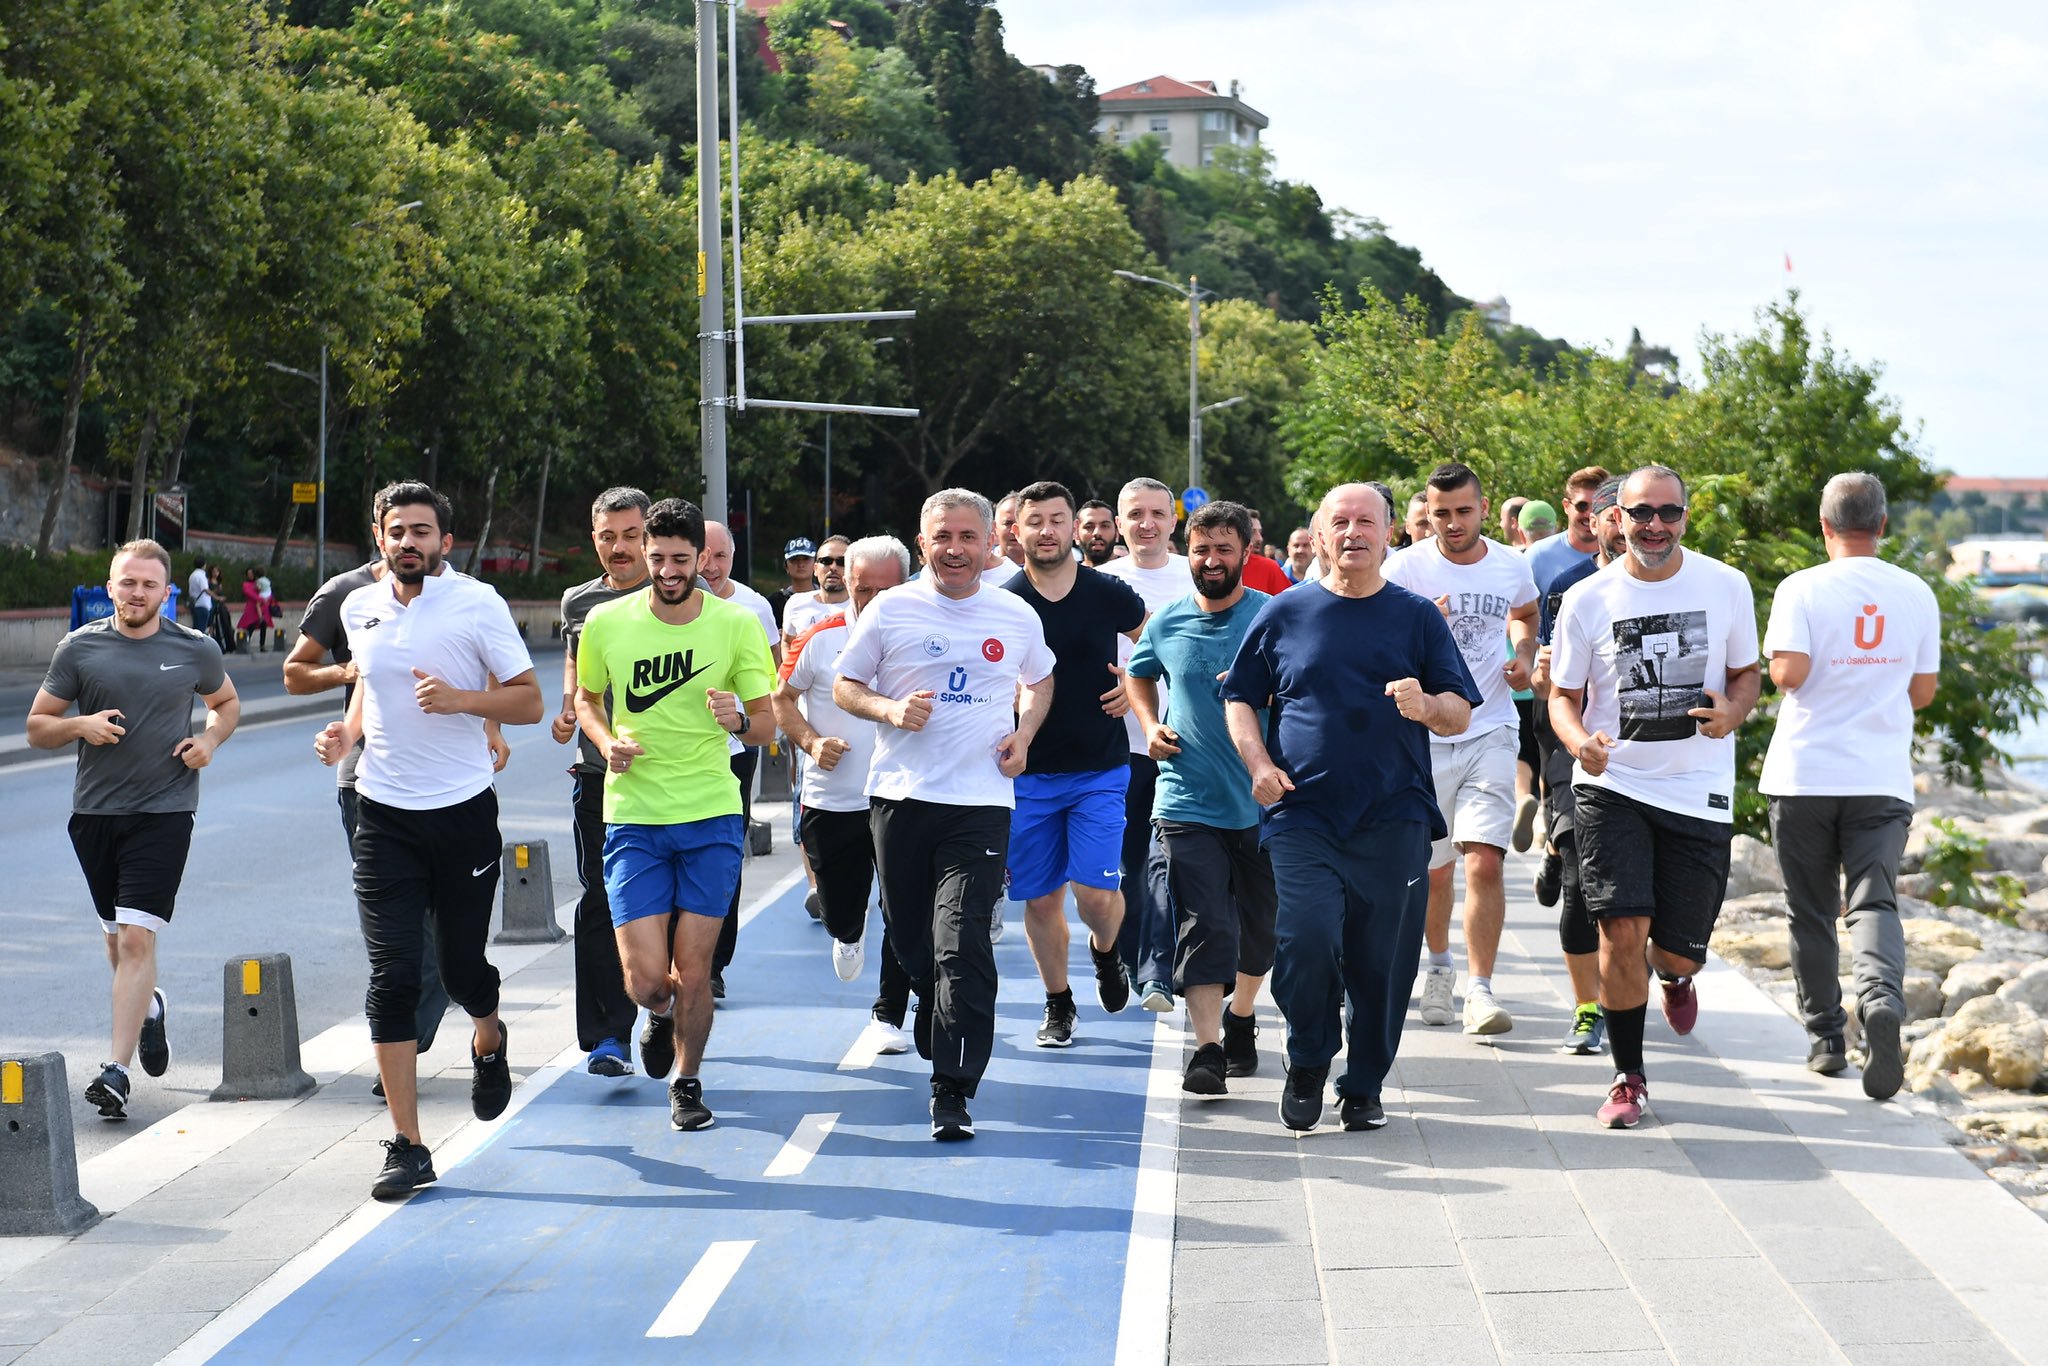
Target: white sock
[
  {"x": 156, "y": 1006},
  {"x": 1484, "y": 984},
  {"x": 1440, "y": 960}
]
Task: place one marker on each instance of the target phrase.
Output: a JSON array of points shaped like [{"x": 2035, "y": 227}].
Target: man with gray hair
[{"x": 1855, "y": 644}]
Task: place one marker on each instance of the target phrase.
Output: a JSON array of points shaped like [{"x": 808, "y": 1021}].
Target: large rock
[
  {"x": 1968, "y": 981},
  {"x": 1752, "y": 868},
  {"x": 2029, "y": 989},
  {"x": 2026, "y": 1130},
  {"x": 1767, "y": 945},
  {"x": 1758, "y": 906},
  {"x": 1936, "y": 946},
  {"x": 2002, "y": 1041},
  {"x": 1923, "y": 995}
]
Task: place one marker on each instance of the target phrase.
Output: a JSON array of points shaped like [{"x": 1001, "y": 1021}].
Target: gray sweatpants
[{"x": 1841, "y": 854}]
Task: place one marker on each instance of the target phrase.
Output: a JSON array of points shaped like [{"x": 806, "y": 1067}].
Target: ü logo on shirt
[{"x": 1872, "y": 622}]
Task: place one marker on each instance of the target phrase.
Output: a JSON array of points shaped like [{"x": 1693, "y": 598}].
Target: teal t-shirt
[{"x": 1206, "y": 783}]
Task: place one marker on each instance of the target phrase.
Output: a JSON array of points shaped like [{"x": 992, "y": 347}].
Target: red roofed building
[
  {"x": 1191, "y": 119},
  {"x": 1999, "y": 492}
]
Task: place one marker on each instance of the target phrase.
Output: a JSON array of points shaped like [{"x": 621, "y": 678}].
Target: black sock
[
  {"x": 1064, "y": 995},
  {"x": 1625, "y": 1036}
]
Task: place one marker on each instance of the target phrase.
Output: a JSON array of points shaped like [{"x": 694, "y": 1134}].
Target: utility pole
[
  {"x": 1194, "y": 397},
  {"x": 711, "y": 330}
]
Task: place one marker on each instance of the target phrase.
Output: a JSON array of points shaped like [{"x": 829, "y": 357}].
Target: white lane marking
[
  {"x": 866, "y": 1048},
  {"x": 802, "y": 1146},
  {"x": 700, "y": 1289},
  {"x": 771, "y": 896},
  {"x": 1148, "y": 1263}
]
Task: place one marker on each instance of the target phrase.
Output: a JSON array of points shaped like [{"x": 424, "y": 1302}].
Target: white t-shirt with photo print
[
  {"x": 1644, "y": 652},
  {"x": 1482, "y": 595}
]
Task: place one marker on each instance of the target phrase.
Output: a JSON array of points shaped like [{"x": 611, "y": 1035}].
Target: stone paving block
[
  {"x": 1400, "y": 1296},
  {"x": 226, "y": 1182},
  {"x": 1237, "y": 1275},
  {"x": 1582, "y": 1143},
  {"x": 1672, "y": 1234},
  {"x": 1453, "y": 1143},
  {"x": 1244, "y": 1222},
  {"x": 80, "y": 1269},
  {"x": 1891, "y": 1312},
  {"x": 1355, "y": 1228},
  {"x": 1240, "y": 1138},
  {"x": 1928, "y": 1354},
  {"x": 1739, "y": 1336},
  {"x": 11, "y": 1352},
  {"x": 127, "y": 1335},
  {"x": 1865, "y": 1253},
  {"x": 1751, "y": 1158},
  {"x": 1458, "y": 1102},
  {"x": 195, "y": 1285},
  {"x": 1206, "y": 1187},
  {"x": 23, "y": 1328},
  {"x": 1817, "y": 1203},
  {"x": 1696, "y": 1285},
  {"x": 1281, "y": 1333},
  {"x": 1521, "y": 1265},
  {"x": 1570, "y": 1321},
  {"x": 1439, "y": 1345},
  {"x": 1516, "y": 1214},
  {"x": 1422, "y": 1072}
]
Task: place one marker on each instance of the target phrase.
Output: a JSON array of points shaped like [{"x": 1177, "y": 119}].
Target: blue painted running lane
[{"x": 566, "y": 1235}]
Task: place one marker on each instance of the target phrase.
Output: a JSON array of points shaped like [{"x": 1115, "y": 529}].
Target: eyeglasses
[
  {"x": 1670, "y": 514},
  {"x": 831, "y": 559},
  {"x": 1581, "y": 505}
]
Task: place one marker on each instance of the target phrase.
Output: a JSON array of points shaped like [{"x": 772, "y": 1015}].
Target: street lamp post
[
  {"x": 319, "y": 487},
  {"x": 1194, "y": 294}
]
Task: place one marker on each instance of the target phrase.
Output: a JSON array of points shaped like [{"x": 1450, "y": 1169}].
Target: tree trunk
[
  {"x": 174, "y": 462},
  {"x": 139, "y": 500},
  {"x": 540, "y": 511},
  {"x": 291, "y": 511},
  {"x": 83, "y": 354},
  {"x": 476, "y": 552}
]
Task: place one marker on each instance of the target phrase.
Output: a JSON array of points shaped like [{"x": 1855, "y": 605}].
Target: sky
[{"x": 1607, "y": 166}]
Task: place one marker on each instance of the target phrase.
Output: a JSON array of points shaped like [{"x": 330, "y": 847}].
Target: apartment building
[{"x": 1191, "y": 119}]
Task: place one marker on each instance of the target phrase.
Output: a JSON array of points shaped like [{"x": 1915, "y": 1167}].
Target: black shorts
[
  {"x": 1220, "y": 885},
  {"x": 133, "y": 864},
  {"x": 841, "y": 847},
  {"x": 1641, "y": 860}
]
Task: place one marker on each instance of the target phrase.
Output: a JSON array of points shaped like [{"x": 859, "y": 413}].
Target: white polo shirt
[
  {"x": 457, "y": 630},
  {"x": 812, "y": 674}
]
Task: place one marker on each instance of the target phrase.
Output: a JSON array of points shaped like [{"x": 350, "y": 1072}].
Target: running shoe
[
  {"x": 1361, "y": 1112},
  {"x": 1625, "y": 1101},
  {"x": 608, "y": 1059},
  {"x": 1155, "y": 997},
  {"x": 1550, "y": 878},
  {"x": 814, "y": 906},
  {"x": 995, "y": 923},
  {"x": 109, "y": 1092},
  {"x": 490, "y": 1083},
  {"x": 1483, "y": 1014},
  {"x": 950, "y": 1120},
  {"x": 1058, "y": 1029},
  {"x": 1883, "y": 1068},
  {"x": 1827, "y": 1056},
  {"x": 686, "y": 1107},
  {"x": 377, "y": 1088},
  {"x": 1681, "y": 1004},
  {"x": 886, "y": 1038},
  {"x": 1438, "y": 1005},
  {"x": 849, "y": 959},
  {"x": 658, "y": 1045},
  {"x": 407, "y": 1167},
  {"x": 718, "y": 984},
  {"x": 1588, "y": 1034},
  {"x": 1204, "y": 1076},
  {"x": 1525, "y": 824},
  {"x": 1301, "y": 1100},
  {"x": 1112, "y": 985},
  {"x": 154, "y": 1047},
  {"x": 1240, "y": 1044}
]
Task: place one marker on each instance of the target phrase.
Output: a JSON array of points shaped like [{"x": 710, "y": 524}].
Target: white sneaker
[
  {"x": 849, "y": 959},
  {"x": 1483, "y": 1014},
  {"x": 886, "y": 1038},
  {"x": 1438, "y": 1007},
  {"x": 995, "y": 923}
]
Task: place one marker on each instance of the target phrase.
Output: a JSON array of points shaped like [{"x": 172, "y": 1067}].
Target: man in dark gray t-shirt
[{"x": 132, "y": 677}]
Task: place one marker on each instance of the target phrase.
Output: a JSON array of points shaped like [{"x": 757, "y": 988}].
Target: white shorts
[{"x": 1475, "y": 789}]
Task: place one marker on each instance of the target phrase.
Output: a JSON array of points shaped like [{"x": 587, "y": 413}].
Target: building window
[
  {"x": 1161, "y": 124},
  {"x": 1212, "y": 121}
]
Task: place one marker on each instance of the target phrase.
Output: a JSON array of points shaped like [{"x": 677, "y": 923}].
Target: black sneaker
[
  {"x": 686, "y": 1107},
  {"x": 377, "y": 1088},
  {"x": 1301, "y": 1100},
  {"x": 407, "y": 1167},
  {"x": 1240, "y": 1044},
  {"x": 1883, "y": 1067},
  {"x": 658, "y": 1045},
  {"x": 109, "y": 1092},
  {"x": 1362, "y": 1112},
  {"x": 1550, "y": 879},
  {"x": 718, "y": 984},
  {"x": 1204, "y": 1076},
  {"x": 814, "y": 906},
  {"x": 1058, "y": 1029},
  {"x": 1827, "y": 1056},
  {"x": 490, "y": 1082},
  {"x": 1112, "y": 984},
  {"x": 154, "y": 1047},
  {"x": 921, "y": 1030},
  {"x": 950, "y": 1120}
]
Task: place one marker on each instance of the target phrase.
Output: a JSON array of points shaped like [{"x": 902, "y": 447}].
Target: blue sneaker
[{"x": 609, "y": 1059}]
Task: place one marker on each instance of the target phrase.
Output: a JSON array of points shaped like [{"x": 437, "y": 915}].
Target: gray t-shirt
[
  {"x": 577, "y": 604},
  {"x": 151, "y": 682},
  {"x": 322, "y": 625}
]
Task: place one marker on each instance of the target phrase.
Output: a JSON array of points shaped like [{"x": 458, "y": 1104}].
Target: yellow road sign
[{"x": 305, "y": 493}]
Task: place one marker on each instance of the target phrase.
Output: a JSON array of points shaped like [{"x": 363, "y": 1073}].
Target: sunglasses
[
  {"x": 1582, "y": 505},
  {"x": 831, "y": 559},
  {"x": 1670, "y": 514}
]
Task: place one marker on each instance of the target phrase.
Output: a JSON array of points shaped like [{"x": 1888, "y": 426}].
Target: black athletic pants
[
  {"x": 603, "y": 1009},
  {"x": 433, "y": 996}
]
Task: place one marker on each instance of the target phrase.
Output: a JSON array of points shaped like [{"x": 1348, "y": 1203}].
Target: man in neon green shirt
[{"x": 686, "y": 671}]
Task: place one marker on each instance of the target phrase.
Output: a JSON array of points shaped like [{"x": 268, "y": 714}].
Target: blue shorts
[
  {"x": 655, "y": 869},
  {"x": 1068, "y": 827}
]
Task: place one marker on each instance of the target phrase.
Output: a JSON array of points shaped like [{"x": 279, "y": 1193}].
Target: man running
[
  {"x": 604, "y": 1012},
  {"x": 1006, "y": 554},
  {"x": 1069, "y": 823},
  {"x": 1485, "y": 593},
  {"x": 1301, "y": 553},
  {"x": 132, "y": 677},
  {"x": 1856, "y": 645},
  {"x": 941, "y": 663},
  {"x": 808, "y": 609},
  {"x": 689, "y": 671},
  {"x": 1095, "y": 532},
  {"x": 427, "y": 642},
  {"x": 1357, "y": 671},
  {"x": 1258, "y": 571},
  {"x": 799, "y": 562},
  {"x": 1655, "y": 668},
  {"x": 1579, "y": 543},
  {"x": 1220, "y": 880}
]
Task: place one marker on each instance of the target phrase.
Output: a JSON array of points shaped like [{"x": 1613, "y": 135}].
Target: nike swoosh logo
[
  {"x": 991, "y": 853},
  {"x": 164, "y": 668},
  {"x": 1413, "y": 880},
  {"x": 638, "y": 702},
  {"x": 479, "y": 872}
]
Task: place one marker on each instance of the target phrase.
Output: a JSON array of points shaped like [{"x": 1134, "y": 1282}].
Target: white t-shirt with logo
[
  {"x": 1847, "y": 731},
  {"x": 1644, "y": 652},
  {"x": 1482, "y": 595},
  {"x": 971, "y": 652},
  {"x": 805, "y": 610},
  {"x": 845, "y": 788},
  {"x": 1159, "y": 588}
]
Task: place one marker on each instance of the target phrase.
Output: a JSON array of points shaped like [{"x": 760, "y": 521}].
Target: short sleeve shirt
[
  {"x": 658, "y": 674},
  {"x": 1084, "y": 630},
  {"x": 1159, "y": 588},
  {"x": 1552, "y": 556},
  {"x": 1553, "y": 597},
  {"x": 1206, "y": 783},
  {"x": 151, "y": 682},
  {"x": 577, "y": 605},
  {"x": 771, "y": 631},
  {"x": 321, "y": 624},
  {"x": 1482, "y": 595},
  {"x": 811, "y": 672}
]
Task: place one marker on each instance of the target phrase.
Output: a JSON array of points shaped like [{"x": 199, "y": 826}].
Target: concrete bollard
[
  {"x": 773, "y": 779},
  {"x": 259, "y": 1031},
  {"x": 38, "y": 1162},
  {"x": 529, "y": 897}
]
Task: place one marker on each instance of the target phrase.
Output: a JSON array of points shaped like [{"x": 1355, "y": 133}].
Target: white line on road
[
  {"x": 1148, "y": 1265},
  {"x": 802, "y": 1146},
  {"x": 771, "y": 896},
  {"x": 700, "y": 1289}
]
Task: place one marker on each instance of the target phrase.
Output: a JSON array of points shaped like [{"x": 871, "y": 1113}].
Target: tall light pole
[
  {"x": 711, "y": 330},
  {"x": 320, "y": 486},
  {"x": 1194, "y": 294}
]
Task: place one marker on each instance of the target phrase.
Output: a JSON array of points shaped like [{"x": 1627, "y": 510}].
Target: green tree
[{"x": 1248, "y": 351}]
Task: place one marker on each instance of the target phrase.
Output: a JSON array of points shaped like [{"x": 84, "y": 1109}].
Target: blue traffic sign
[{"x": 1194, "y": 498}]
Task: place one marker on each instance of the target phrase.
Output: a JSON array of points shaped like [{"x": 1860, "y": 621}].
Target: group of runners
[{"x": 1239, "y": 769}]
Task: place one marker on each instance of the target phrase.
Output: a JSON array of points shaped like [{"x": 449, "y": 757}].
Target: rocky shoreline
[{"x": 1976, "y": 983}]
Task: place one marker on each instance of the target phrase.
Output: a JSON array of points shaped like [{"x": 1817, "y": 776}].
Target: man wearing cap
[
  {"x": 800, "y": 562},
  {"x": 1538, "y": 522}
]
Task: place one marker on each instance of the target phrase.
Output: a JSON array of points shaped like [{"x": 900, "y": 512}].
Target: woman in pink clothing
[{"x": 255, "y": 611}]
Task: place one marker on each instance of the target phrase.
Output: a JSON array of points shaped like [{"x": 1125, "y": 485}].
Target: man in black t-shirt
[{"x": 1068, "y": 827}]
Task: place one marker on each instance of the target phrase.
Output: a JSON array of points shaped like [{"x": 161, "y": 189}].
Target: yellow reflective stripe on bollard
[
  {"x": 10, "y": 1083},
  {"x": 518, "y": 856},
  {"x": 252, "y": 977}
]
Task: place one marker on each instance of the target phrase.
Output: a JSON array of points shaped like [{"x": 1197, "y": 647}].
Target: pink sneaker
[
  {"x": 1681, "y": 1005},
  {"x": 1624, "y": 1107}
]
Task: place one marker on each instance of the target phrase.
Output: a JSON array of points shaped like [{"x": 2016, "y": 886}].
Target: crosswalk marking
[{"x": 691, "y": 1304}]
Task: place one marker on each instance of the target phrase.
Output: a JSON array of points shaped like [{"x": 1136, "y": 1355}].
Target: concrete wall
[{"x": 25, "y": 483}]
